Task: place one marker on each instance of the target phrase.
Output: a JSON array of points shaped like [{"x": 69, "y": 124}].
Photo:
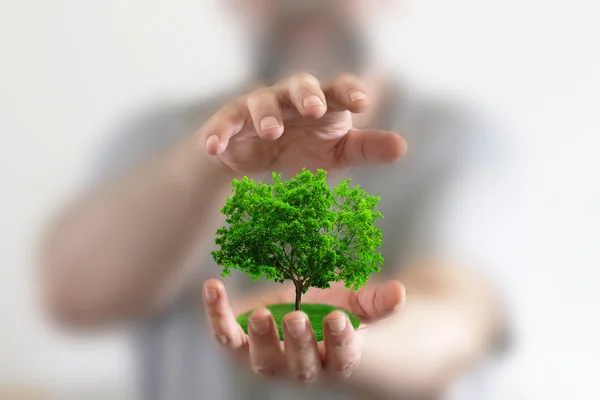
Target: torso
[{"x": 177, "y": 355}]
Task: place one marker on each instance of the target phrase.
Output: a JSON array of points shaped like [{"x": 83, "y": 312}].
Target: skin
[
  {"x": 415, "y": 345},
  {"x": 123, "y": 251},
  {"x": 299, "y": 357},
  {"x": 247, "y": 135},
  {"x": 98, "y": 268}
]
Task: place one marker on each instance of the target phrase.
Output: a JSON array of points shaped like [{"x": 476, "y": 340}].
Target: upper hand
[
  {"x": 299, "y": 357},
  {"x": 247, "y": 135}
]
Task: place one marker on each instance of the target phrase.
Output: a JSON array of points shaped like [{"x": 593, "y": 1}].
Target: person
[{"x": 135, "y": 248}]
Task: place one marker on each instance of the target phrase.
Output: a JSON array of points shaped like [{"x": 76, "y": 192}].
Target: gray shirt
[{"x": 176, "y": 354}]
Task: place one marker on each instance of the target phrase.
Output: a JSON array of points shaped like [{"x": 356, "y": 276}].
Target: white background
[{"x": 69, "y": 70}]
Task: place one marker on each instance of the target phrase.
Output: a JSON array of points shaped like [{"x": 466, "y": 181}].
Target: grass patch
[{"x": 316, "y": 313}]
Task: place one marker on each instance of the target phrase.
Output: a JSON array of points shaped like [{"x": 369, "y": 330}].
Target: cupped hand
[
  {"x": 297, "y": 123},
  {"x": 299, "y": 357}
]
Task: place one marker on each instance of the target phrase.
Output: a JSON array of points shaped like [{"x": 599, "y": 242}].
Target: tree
[{"x": 300, "y": 230}]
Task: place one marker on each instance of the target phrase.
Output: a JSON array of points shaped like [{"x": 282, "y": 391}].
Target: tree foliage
[{"x": 300, "y": 230}]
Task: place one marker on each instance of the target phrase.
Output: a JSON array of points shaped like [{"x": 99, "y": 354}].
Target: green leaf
[{"x": 300, "y": 230}]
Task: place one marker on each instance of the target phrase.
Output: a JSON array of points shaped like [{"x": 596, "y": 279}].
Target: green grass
[{"x": 316, "y": 313}]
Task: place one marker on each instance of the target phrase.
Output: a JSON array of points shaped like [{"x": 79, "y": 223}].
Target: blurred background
[{"x": 71, "y": 70}]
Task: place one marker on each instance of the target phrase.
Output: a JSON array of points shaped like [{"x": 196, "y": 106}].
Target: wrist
[
  {"x": 189, "y": 165},
  {"x": 413, "y": 352}
]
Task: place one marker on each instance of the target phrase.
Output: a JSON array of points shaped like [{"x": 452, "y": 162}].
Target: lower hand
[{"x": 299, "y": 357}]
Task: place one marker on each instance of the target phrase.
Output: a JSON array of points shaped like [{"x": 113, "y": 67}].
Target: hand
[
  {"x": 299, "y": 357},
  {"x": 247, "y": 135}
]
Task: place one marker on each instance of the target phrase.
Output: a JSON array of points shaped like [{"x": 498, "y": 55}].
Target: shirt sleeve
[{"x": 134, "y": 141}]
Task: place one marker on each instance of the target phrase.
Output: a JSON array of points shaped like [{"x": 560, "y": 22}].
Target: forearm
[
  {"x": 450, "y": 320},
  {"x": 115, "y": 252}
]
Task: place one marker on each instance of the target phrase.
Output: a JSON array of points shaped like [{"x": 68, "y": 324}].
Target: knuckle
[
  {"x": 217, "y": 126},
  {"x": 304, "y": 78},
  {"x": 305, "y": 342},
  {"x": 221, "y": 338},
  {"x": 268, "y": 370},
  {"x": 345, "y": 367},
  {"x": 234, "y": 106},
  {"x": 347, "y": 76},
  {"x": 225, "y": 115},
  {"x": 215, "y": 312},
  {"x": 230, "y": 107},
  {"x": 346, "y": 79},
  {"x": 306, "y": 375},
  {"x": 340, "y": 346},
  {"x": 259, "y": 93}
]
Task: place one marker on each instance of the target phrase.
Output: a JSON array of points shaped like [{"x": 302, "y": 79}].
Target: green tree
[{"x": 300, "y": 230}]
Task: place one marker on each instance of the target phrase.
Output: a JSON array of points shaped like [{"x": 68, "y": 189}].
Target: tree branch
[
  {"x": 309, "y": 280},
  {"x": 352, "y": 237},
  {"x": 284, "y": 269},
  {"x": 285, "y": 254}
]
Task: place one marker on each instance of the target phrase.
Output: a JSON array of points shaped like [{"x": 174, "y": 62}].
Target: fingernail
[
  {"x": 268, "y": 123},
  {"x": 357, "y": 95},
  {"x": 296, "y": 327},
  {"x": 211, "y": 295},
  {"x": 223, "y": 339},
  {"x": 337, "y": 325},
  {"x": 212, "y": 140},
  {"x": 312, "y": 101},
  {"x": 259, "y": 325}
]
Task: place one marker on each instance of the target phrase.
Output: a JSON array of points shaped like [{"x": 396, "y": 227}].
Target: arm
[
  {"x": 117, "y": 254},
  {"x": 117, "y": 251},
  {"x": 451, "y": 319},
  {"x": 455, "y": 312}
]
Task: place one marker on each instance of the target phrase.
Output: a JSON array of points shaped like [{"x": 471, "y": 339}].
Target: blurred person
[{"x": 135, "y": 248}]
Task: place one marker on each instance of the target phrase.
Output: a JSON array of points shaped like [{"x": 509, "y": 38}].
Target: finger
[
  {"x": 377, "y": 300},
  {"x": 305, "y": 93},
  {"x": 347, "y": 92},
  {"x": 226, "y": 123},
  {"x": 302, "y": 354},
  {"x": 265, "y": 111},
  {"x": 342, "y": 352},
  {"x": 221, "y": 319},
  {"x": 371, "y": 147},
  {"x": 266, "y": 353}
]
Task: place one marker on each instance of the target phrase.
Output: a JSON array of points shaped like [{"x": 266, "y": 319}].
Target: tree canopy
[{"x": 300, "y": 230}]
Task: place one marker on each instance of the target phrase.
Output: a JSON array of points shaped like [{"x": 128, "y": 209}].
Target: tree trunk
[{"x": 298, "y": 296}]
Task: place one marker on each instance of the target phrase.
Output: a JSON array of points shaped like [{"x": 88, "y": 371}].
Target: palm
[
  {"x": 362, "y": 303},
  {"x": 299, "y": 356},
  {"x": 307, "y": 142}
]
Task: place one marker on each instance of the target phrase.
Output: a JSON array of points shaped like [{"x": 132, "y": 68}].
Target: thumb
[
  {"x": 364, "y": 147},
  {"x": 378, "y": 300}
]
